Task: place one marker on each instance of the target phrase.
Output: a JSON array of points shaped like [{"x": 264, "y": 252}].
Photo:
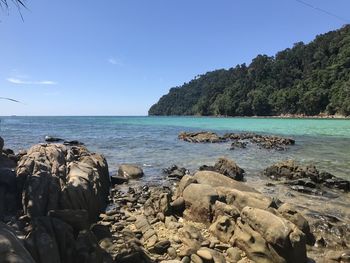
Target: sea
[{"x": 152, "y": 142}]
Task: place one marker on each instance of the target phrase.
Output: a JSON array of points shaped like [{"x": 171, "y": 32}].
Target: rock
[
  {"x": 223, "y": 228},
  {"x": 1, "y": 144},
  {"x": 8, "y": 192},
  {"x": 238, "y": 144},
  {"x": 174, "y": 172},
  {"x": 78, "y": 219},
  {"x": 198, "y": 200},
  {"x": 196, "y": 259},
  {"x": 205, "y": 254},
  {"x": 289, "y": 212},
  {"x": 130, "y": 171},
  {"x": 305, "y": 178},
  {"x": 159, "y": 202},
  {"x": 115, "y": 179},
  {"x": 73, "y": 143},
  {"x": 263, "y": 141},
  {"x": 337, "y": 256},
  {"x": 52, "y": 139},
  {"x": 223, "y": 209},
  {"x": 161, "y": 247},
  {"x": 241, "y": 199},
  {"x": 178, "y": 205},
  {"x": 53, "y": 177},
  {"x": 185, "y": 181},
  {"x": 216, "y": 180},
  {"x": 11, "y": 248},
  {"x": 274, "y": 238},
  {"x": 172, "y": 253},
  {"x": 229, "y": 168},
  {"x": 191, "y": 237},
  {"x": 234, "y": 254},
  {"x": 200, "y": 137}
]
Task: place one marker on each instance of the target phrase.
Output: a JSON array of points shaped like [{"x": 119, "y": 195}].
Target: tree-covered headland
[{"x": 308, "y": 79}]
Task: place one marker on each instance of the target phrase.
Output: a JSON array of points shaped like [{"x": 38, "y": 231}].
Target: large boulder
[
  {"x": 199, "y": 199},
  {"x": 11, "y": 248},
  {"x": 53, "y": 177},
  {"x": 280, "y": 240},
  {"x": 130, "y": 171},
  {"x": 215, "y": 179}
]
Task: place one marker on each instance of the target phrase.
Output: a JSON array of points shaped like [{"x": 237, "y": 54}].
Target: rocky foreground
[{"x": 59, "y": 204}]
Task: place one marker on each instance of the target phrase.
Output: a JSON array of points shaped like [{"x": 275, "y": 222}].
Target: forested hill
[{"x": 306, "y": 79}]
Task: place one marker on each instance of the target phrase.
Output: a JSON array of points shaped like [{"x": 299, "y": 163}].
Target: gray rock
[{"x": 130, "y": 171}]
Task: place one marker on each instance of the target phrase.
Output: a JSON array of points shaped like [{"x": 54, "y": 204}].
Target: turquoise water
[{"x": 152, "y": 141}]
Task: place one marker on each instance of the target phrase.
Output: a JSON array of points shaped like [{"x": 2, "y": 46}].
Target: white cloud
[
  {"x": 115, "y": 61},
  {"x": 30, "y": 82}
]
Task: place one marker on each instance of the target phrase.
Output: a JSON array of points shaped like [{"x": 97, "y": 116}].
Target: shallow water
[{"x": 152, "y": 141}]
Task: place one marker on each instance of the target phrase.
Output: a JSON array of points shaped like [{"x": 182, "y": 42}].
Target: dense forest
[{"x": 307, "y": 79}]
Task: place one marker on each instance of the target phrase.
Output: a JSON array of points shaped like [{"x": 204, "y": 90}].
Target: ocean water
[{"x": 152, "y": 141}]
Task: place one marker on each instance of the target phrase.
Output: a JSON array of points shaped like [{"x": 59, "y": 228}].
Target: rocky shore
[{"x": 59, "y": 204}]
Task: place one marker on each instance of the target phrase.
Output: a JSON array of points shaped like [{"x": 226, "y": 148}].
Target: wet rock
[
  {"x": 200, "y": 137},
  {"x": 73, "y": 143},
  {"x": 263, "y": 141},
  {"x": 52, "y": 139},
  {"x": 115, "y": 179},
  {"x": 175, "y": 172},
  {"x": 130, "y": 171},
  {"x": 305, "y": 178}
]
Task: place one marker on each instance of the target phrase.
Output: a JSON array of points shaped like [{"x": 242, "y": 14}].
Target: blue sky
[{"x": 116, "y": 57}]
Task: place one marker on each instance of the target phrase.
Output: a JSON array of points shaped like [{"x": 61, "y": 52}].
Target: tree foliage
[{"x": 306, "y": 79}]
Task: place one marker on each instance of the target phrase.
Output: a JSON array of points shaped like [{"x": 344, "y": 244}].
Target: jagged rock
[
  {"x": 289, "y": 212},
  {"x": 241, "y": 199},
  {"x": 215, "y": 179},
  {"x": 297, "y": 175},
  {"x": 223, "y": 209},
  {"x": 158, "y": 202},
  {"x": 279, "y": 239},
  {"x": 87, "y": 184},
  {"x": 198, "y": 201},
  {"x": 223, "y": 228},
  {"x": 174, "y": 172},
  {"x": 226, "y": 167},
  {"x": 200, "y": 137},
  {"x": 234, "y": 254},
  {"x": 11, "y": 248},
  {"x": 229, "y": 168},
  {"x": 191, "y": 237},
  {"x": 130, "y": 171}
]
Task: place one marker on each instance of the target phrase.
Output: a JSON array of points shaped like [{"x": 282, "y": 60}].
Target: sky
[{"x": 118, "y": 57}]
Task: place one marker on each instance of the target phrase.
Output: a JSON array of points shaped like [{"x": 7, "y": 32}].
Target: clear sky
[{"x": 117, "y": 57}]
